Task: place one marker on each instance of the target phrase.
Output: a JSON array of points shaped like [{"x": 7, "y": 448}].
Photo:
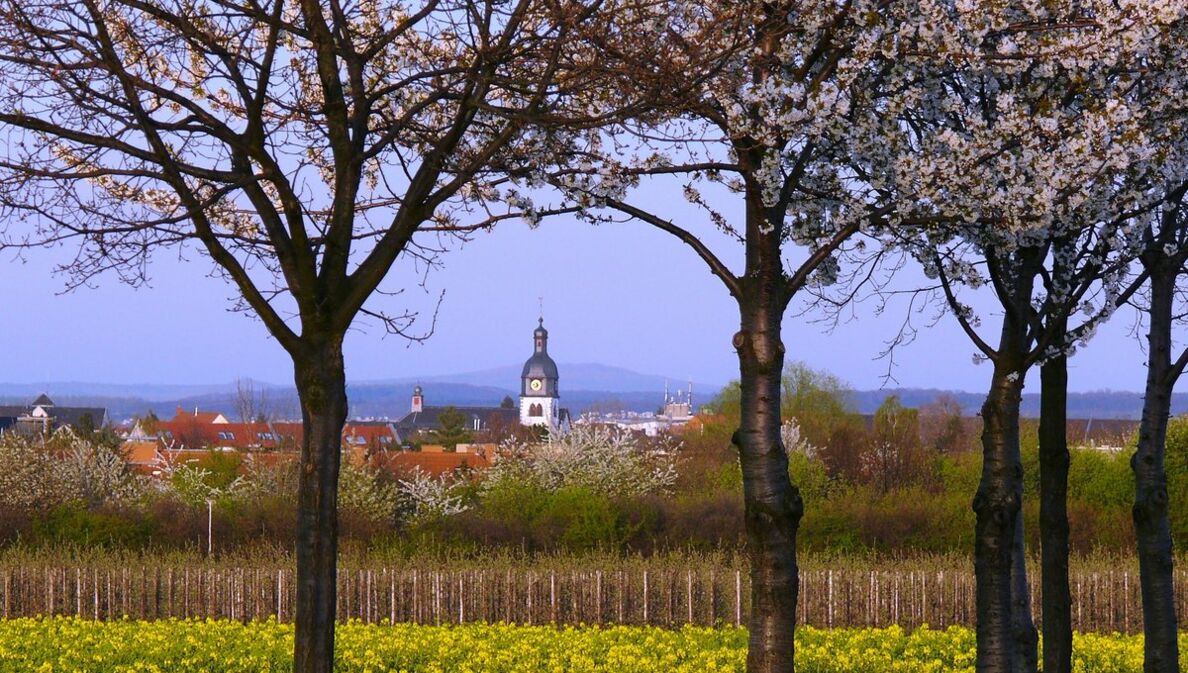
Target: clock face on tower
[{"x": 535, "y": 385}]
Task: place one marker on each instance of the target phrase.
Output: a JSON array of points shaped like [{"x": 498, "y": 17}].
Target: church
[{"x": 540, "y": 399}]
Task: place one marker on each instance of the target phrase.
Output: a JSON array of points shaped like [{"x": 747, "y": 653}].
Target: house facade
[{"x": 43, "y": 416}]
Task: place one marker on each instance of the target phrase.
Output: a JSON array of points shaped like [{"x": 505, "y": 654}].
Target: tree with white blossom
[
  {"x": 755, "y": 105},
  {"x": 1163, "y": 260},
  {"x": 1022, "y": 140},
  {"x": 603, "y": 459},
  {"x": 430, "y": 497}
]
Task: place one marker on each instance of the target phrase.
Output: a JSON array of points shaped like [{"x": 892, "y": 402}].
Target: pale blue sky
[{"x": 618, "y": 295}]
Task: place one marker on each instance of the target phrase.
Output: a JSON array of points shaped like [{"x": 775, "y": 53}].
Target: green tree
[
  {"x": 818, "y": 401},
  {"x": 453, "y": 429},
  {"x": 894, "y": 458},
  {"x": 85, "y": 427}
]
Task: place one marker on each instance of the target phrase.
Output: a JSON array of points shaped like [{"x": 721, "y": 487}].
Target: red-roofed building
[
  {"x": 192, "y": 436},
  {"x": 204, "y": 430}
]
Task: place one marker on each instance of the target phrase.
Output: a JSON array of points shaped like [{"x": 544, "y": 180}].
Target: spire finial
[{"x": 540, "y": 321}]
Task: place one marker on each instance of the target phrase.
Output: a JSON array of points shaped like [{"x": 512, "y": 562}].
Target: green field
[{"x": 69, "y": 645}]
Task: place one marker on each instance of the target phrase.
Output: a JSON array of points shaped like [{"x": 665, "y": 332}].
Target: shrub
[{"x": 74, "y": 526}]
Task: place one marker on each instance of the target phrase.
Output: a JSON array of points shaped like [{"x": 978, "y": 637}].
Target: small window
[
  {"x": 360, "y": 439},
  {"x": 535, "y": 410},
  {"x": 226, "y": 436},
  {"x": 264, "y": 436},
  {"x": 167, "y": 434},
  {"x": 385, "y": 439}
]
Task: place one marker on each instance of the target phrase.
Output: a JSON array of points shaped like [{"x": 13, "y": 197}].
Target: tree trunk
[
  {"x": 1022, "y": 623},
  {"x": 321, "y": 387},
  {"x": 772, "y": 504},
  {"x": 1054, "y": 461},
  {"x": 1160, "y": 649},
  {"x": 1005, "y": 633}
]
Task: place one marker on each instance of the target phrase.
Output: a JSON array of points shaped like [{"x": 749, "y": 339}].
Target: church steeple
[
  {"x": 539, "y": 396},
  {"x": 541, "y": 338}
]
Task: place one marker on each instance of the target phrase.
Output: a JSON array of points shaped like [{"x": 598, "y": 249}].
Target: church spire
[{"x": 540, "y": 337}]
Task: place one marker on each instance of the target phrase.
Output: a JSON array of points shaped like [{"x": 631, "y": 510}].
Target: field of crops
[{"x": 67, "y": 644}]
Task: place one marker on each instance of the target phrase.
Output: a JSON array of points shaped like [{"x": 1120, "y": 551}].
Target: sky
[{"x": 622, "y": 295}]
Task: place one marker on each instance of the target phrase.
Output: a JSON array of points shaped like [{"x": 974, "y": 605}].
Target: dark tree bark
[
  {"x": 1160, "y": 647},
  {"x": 321, "y": 388},
  {"x": 1054, "y": 462},
  {"x": 773, "y": 507},
  {"x": 1006, "y": 635},
  {"x": 998, "y": 503},
  {"x": 1022, "y": 622}
]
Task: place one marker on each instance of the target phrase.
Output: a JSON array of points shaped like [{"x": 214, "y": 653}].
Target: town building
[
  {"x": 674, "y": 414},
  {"x": 540, "y": 395},
  {"x": 42, "y": 417},
  {"x": 422, "y": 419}
]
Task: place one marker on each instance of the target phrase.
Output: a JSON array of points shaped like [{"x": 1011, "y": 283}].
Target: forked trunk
[
  {"x": 1160, "y": 650},
  {"x": 321, "y": 388},
  {"x": 1005, "y": 632},
  {"x": 1054, "y": 461},
  {"x": 772, "y": 504}
]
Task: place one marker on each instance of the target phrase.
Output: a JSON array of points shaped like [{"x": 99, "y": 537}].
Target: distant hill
[
  {"x": 583, "y": 386},
  {"x": 1107, "y": 404},
  {"x": 574, "y": 377}
]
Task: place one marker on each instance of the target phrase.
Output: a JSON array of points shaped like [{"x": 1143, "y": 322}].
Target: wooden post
[
  {"x": 829, "y": 599},
  {"x": 645, "y": 598},
  {"x": 598, "y": 597},
  {"x": 622, "y": 589},
  {"x": 437, "y": 598},
  {"x": 738, "y": 598}
]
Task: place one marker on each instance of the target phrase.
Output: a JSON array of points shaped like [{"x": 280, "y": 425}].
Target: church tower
[{"x": 540, "y": 401}]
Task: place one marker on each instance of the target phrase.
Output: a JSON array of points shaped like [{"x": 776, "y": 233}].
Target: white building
[{"x": 540, "y": 397}]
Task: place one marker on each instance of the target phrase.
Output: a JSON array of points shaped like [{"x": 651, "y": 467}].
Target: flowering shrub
[
  {"x": 62, "y": 469},
  {"x": 361, "y": 490},
  {"x": 68, "y": 644},
  {"x": 428, "y": 497},
  {"x": 604, "y": 460}
]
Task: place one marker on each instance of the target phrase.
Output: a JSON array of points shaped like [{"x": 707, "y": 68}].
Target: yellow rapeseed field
[{"x": 69, "y": 645}]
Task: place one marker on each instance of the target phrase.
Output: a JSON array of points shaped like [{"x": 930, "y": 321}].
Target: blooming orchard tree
[
  {"x": 756, "y": 106},
  {"x": 430, "y": 497},
  {"x": 303, "y": 147},
  {"x": 604, "y": 460},
  {"x": 40, "y": 473},
  {"x": 1025, "y": 140},
  {"x": 1162, "y": 260}
]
